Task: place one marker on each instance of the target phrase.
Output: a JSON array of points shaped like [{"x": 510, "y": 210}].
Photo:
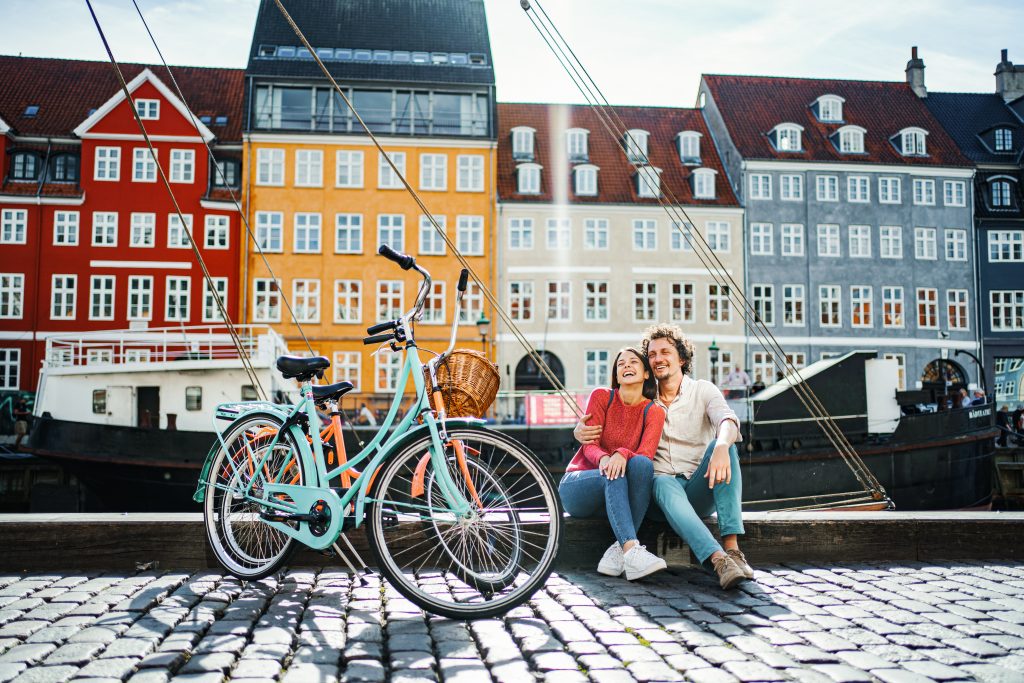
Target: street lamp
[
  {"x": 483, "y": 326},
  {"x": 713, "y": 352}
]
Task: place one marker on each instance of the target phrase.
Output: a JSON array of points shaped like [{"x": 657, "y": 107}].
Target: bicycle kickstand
[{"x": 363, "y": 570}]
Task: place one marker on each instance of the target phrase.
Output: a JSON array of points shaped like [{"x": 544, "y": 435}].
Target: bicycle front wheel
[
  {"x": 474, "y": 566},
  {"x": 243, "y": 543}
]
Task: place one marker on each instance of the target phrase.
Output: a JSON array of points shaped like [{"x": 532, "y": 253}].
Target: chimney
[
  {"x": 915, "y": 74},
  {"x": 1009, "y": 79}
]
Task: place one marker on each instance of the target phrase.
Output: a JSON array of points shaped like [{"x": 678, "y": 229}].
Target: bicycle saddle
[
  {"x": 302, "y": 368},
  {"x": 332, "y": 392}
]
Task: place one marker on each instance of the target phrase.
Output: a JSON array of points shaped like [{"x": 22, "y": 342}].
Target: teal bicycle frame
[{"x": 315, "y": 492}]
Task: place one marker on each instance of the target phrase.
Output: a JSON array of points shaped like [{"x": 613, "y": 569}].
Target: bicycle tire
[
  {"x": 438, "y": 588},
  {"x": 238, "y": 550}
]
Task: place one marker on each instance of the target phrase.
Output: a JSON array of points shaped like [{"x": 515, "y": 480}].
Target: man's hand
[
  {"x": 613, "y": 466},
  {"x": 719, "y": 469},
  {"x": 584, "y": 434}
]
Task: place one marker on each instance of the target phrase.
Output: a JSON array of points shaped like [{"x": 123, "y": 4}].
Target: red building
[{"x": 89, "y": 237}]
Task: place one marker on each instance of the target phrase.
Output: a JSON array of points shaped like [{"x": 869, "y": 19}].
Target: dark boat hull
[{"x": 132, "y": 469}]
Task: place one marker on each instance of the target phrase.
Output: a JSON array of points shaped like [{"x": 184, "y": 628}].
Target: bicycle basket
[{"x": 468, "y": 382}]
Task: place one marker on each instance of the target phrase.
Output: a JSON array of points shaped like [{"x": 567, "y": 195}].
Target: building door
[
  {"x": 148, "y": 408},
  {"x": 529, "y": 376}
]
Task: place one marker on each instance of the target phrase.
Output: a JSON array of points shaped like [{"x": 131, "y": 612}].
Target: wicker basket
[{"x": 468, "y": 382}]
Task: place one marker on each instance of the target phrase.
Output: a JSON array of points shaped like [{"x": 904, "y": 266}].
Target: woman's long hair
[{"x": 650, "y": 388}]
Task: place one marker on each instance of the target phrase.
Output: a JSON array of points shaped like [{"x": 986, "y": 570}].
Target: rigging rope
[
  {"x": 231, "y": 192},
  {"x": 531, "y": 351},
  {"x": 609, "y": 117},
  {"x": 186, "y": 227}
]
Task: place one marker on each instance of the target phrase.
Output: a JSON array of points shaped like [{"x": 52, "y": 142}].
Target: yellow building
[{"x": 320, "y": 199}]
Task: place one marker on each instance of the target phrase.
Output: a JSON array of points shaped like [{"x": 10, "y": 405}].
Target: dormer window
[
  {"x": 226, "y": 173},
  {"x": 1004, "y": 140},
  {"x": 148, "y": 109},
  {"x": 851, "y": 139},
  {"x": 635, "y": 143},
  {"x": 787, "y": 137},
  {"x": 689, "y": 147},
  {"x": 830, "y": 108},
  {"x": 528, "y": 177},
  {"x": 1001, "y": 192},
  {"x": 576, "y": 144},
  {"x": 25, "y": 166},
  {"x": 522, "y": 143},
  {"x": 64, "y": 168},
  {"x": 585, "y": 180},
  {"x": 648, "y": 181},
  {"x": 912, "y": 141},
  {"x": 703, "y": 183}
]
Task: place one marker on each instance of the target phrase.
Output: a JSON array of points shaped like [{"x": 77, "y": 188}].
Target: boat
[{"x": 128, "y": 413}]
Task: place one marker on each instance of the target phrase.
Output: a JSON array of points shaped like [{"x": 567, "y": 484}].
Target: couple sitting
[{"x": 659, "y": 430}]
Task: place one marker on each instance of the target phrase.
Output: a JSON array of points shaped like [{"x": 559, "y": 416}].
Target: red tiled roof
[
  {"x": 753, "y": 105},
  {"x": 66, "y": 90},
  {"x": 616, "y": 182}
]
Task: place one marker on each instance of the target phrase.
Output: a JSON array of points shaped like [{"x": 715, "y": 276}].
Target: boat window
[
  {"x": 193, "y": 398},
  {"x": 249, "y": 393},
  {"x": 99, "y": 401}
]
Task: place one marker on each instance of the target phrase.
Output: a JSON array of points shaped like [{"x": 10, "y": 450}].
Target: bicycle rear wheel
[
  {"x": 243, "y": 543},
  {"x": 473, "y": 567}
]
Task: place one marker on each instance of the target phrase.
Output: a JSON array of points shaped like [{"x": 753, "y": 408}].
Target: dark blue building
[{"x": 989, "y": 129}]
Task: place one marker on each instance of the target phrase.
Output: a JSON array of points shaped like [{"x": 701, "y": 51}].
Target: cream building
[{"x": 588, "y": 257}]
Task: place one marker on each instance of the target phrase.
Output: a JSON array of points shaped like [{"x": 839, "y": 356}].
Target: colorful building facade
[
  {"x": 321, "y": 198},
  {"x": 89, "y": 236}
]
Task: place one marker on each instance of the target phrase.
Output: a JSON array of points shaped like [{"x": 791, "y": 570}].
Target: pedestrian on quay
[
  {"x": 613, "y": 474},
  {"x": 965, "y": 398},
  {"x": 21, "y": 418},
  {"x": 697, "y": 468},
  {"x": 1003, "y": 424}
]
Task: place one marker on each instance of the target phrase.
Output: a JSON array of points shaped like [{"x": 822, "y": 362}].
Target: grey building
[
  {"x": 857, "y": 225},
  {"x": 989, "y": 129}
]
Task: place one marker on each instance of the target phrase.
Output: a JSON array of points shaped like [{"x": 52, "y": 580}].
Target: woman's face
[{"x": 629, "y": 369}]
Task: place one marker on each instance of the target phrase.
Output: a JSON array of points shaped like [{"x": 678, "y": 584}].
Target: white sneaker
[
  {"x": 611, "y": 561},
  {"x": 639, "y": 563}
]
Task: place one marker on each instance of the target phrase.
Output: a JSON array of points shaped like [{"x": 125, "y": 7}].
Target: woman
[{"x": 614, "y": 476}]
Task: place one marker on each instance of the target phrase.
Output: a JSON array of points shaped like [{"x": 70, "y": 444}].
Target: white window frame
[
  {"x": 217, "y": 231},
  {"x": 107, "y": 164},
  {"x": 862, "y": 295},
  {"x": 211, "y": 312},
  {"x": 830, "y": 104},
  {"x": 470, "y": 173},
  {"x": 387, "y": 366},
  {"x": 63, "y": 296},
  {"x": 309, "y": 168},
  {"x": 859, "y": 241},
  {"x": 174, "y": 291},
  {"x": 794, "y": 305},
  {"x": 791, "y": 239},
  {"x": 10, "y": 368},
  {"x": 762, "y": 298},
  {"x": 388, "y": 292},
  {"x": 635, "y": 143},
  {"x": 760, "y": 186},
  {"x": 595, "y": 234},
  {"x": 585, "y": 180},
  {"x": 719, "y": 234},
  {"x": 762, "y": 239},
  {"x": 858, "y": 188},
  {"x": 270, "y": 225},
  {"x": 894, "y": 312},
  {"x": 386, "y": 178},
  {"x": 14, "y": 226},
  {"x": 12, "y": 296},
  {"x": 596, "y": 368},
  {"x": 558, "y": 234},
  {"x": 954, "y": 193},
  {"x": 433, "y": 172},
  {"x": 558, "y": 300},
  {"x": 395, "y": 227},
  {"x": 312, "y": 225},
  {"x": 347, "y": 366},
  {"x": 520, "y": 233},
  {"x": 645, "y": 301},
  {"x": 792, "y": 132},
  {"x": 103, "y": 293},
  {"x": 689, "y": 146},
  {"x": 960, "y": 320},
  {"x": 140, "y": 297},
  {"x": 645, "y": 234},
  {"x": 927, "y": 297},
  {"x": 351, "y": 292},
  {"x": 353, "y": 224},
  {"x": 648, "y": 182},
  {"x": 890, "y": 241},
  {"x": 596, "y": 301},
  {"x": 719, "y": 308},
  {"x": 469, "y": 235},
  {"x": 521, "y": 300},
  {"x": 890, "y": 190},
  {"x": 1005, "y": 246},
  {"x": 177, "y": 235},
  {"x": 148, "y": 110},
  {"x": 704, "y": 183},
  {"x": 682, "y": 302},
  {"x": 851, "y": 140},
  {"x": 306, "y": 300},
  {"x": 924, "y": 192},
  {"x": 348, "y": 168},
  {"x": 183, "y": 166},
  {"x": 434, "y": 305},
  {"x": 956, "y": 240},
  {"x": 1006, "y": 310},
  {"x": 109, "y": 229},
  {"x": 528, "y": 178},
  {"x": 826, "y": 188},
  {"x": 270, "y": 166},
  {"x": 916, "y": 138},
  {"x": 144, "y": 165},
  {"x": 66, "y": 228},
  {"x": 269, "y": 290},
  {"x": 926, "y": 244},
  {"x": 431, "y": 243},
  {"x": 522, "y": 142},
  {"x": 142, "y": 230},
  {"x": 830, "y": 305},
  {"x": 791, "y": 187},
  {"x": 828, "y": 237}
]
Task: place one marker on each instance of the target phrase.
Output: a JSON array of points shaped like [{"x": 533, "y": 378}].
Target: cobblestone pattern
[{"x": 844, "y": 623}]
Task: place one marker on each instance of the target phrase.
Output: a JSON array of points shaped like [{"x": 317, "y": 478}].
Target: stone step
[{"x": 37, "y": 542}]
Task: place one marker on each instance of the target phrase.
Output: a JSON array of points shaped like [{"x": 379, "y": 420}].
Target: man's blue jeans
[
  {"x": 588, "y": 493},
  {"x": 685, "y": 501}
]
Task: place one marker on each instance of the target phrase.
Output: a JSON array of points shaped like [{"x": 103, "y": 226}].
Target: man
[
  {"x": 696, "y": 467},
  {"x": 21, "y": 416},
  {"x": 736, "y": 383},
  {"x": 979, "y": 398},
  {"x": 1003, "y": 423},
  {"x": 366, "y": 417}
]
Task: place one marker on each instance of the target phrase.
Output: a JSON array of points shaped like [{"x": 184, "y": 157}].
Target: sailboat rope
[
  {"x": 235, "y": 338},
  {"x": 488, "y": 295},
  {"x": 609, "y": 117}
]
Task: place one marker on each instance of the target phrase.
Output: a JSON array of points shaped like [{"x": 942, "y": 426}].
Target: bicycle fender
[{"x": 200, "y": 495}]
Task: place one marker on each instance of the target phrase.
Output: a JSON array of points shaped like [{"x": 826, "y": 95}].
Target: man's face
[{"x": 664, "y": 359}]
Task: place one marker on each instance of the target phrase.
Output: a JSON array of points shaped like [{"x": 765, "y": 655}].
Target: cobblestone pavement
[{"x": 895, "y": 623}]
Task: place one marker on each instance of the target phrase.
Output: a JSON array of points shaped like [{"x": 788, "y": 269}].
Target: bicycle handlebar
[
  {"x": 403, "y": 260},
  {"x": 463, "y": 279},
  {"x": 378, "y": 339},
  {"x": 382, "y": 327}
]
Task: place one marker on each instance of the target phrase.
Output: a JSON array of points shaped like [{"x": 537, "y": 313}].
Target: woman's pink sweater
[{"x": 623, "y": 426}]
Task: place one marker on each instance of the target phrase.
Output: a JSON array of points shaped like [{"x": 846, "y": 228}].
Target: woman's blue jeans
[
  {"x": 685, "y": 501},
  {"x": 588, "y": 493}
]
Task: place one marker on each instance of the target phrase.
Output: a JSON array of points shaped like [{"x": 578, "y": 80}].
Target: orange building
[{"x": 320, "y": 199}]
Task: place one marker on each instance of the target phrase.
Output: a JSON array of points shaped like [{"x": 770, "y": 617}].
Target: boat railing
[{"x": 124, "y": 349}]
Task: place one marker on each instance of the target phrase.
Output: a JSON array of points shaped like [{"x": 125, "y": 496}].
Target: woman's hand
[
  {"x": 613, "y": 466},
  {"x": 719, "y": 468},
  {"x": 584, "y": 434}
]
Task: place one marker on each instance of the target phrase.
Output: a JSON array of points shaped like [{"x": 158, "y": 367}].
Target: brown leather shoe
[
  {"x": 741, "y": 561},
  {"x": 728, "y": 573}
]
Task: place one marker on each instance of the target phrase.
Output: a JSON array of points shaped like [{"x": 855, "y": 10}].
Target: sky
[{"x": 641, "y": 52}]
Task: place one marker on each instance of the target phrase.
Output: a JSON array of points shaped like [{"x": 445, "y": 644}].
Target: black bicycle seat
[
  {"x": 302, "y": 368},
  {"x": 331, "y": 392}
]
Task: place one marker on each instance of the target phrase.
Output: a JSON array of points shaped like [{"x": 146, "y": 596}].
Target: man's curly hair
[{"x": 675, "y": 335}]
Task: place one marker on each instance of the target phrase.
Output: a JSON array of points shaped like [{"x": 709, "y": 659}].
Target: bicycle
[{"x": 463, "y": 521}]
